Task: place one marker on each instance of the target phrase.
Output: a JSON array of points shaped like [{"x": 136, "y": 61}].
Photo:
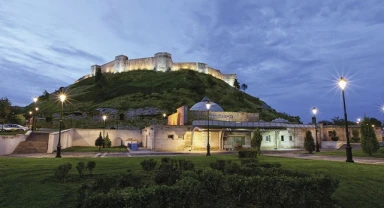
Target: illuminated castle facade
[{"x": 161, "y": 62}]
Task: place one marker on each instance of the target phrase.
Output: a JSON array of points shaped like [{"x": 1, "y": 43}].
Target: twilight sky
[{"x": 289, "y": 53}]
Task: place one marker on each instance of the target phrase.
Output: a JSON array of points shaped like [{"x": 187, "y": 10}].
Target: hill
[{"x": 165, "y": 91}]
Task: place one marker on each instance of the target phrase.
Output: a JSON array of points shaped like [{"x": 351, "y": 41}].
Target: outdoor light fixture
[
  {"x": 314, "y": 111},
  {"x": 164, "y": 115},
  {"x": 358, "y": 121},
  {"x": 62, "y": 98},
  {"x": 35, "y": 99},
  {"x": 208, "y": 106},
  {"x": 104, "y": 118},
  {"x": 342, "y": 84}
]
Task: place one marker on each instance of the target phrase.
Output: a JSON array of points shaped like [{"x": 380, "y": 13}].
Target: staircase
[{"x": 37, "y": 142}]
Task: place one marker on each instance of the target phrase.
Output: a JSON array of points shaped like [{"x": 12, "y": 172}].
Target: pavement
[{"x": 294, "y": 153}]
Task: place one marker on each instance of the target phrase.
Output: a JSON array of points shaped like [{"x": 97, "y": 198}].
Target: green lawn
[
  {"x": 11, "y": 132},
  {"x": 27, "y": 182},
  {"x": 95, "y": 149},
  {"x": 357, "y": 153}
]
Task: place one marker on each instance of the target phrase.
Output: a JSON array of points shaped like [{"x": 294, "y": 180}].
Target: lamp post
[
  {"x": 34, "y": 120},
  {"x": 35, "y": 99},
  {"x": 31, "y": 117},
  {"x": 62, "y": 98},
  {"x": 314, "y": 111},
  {"x": 342, "y": 85},
  {"x": 104, "y": 118},
  {"x": 208, "y": 105}
]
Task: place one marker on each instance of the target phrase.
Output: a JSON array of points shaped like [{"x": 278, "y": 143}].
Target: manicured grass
[
  {"x": 357, "y": 153},
  {"x": 95, "y": 149},
  {"x": 28, "y": 182},
  {"x": 11, "y": 132}
]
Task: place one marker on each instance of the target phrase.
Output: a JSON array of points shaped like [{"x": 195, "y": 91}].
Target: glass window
[{"x": 282, "y": 138}]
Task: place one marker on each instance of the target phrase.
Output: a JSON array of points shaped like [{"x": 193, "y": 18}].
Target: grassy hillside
[{"x": 166, "y": 91}]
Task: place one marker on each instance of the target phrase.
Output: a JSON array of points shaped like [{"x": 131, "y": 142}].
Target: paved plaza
[{"x": 149, "y": 153}]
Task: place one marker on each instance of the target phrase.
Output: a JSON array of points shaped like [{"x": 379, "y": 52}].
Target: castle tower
[
  {"x": 202, "y": 68},
  {"x": 121, "y": 62},
  {"x": 163, "y": 61},
  {"x": 93, "y": 69}
]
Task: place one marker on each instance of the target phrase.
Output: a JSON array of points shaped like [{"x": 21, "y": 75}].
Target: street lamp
[
  {"x": 342, "y": 84},
  {"x": 31, "y": 116},
  {"x": 35, "y": 99},
  {"x": 104, "y": 118},
  {"x": 358, "y": 121},
  {"x": 314, "y": 111},
  {"x": 62, "y": 98},
  {"x": 208, "y": 105},
  {"x": 34, "y": 120}
]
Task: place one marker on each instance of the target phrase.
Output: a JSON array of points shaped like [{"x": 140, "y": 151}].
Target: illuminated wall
[{"x": 162, "y": 62}]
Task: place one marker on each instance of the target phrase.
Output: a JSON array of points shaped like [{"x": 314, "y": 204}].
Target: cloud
[{"x": 289, "y": 53}]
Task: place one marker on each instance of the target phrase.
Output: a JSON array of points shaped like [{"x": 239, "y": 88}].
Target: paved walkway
[{"x": 145, "y": 153}]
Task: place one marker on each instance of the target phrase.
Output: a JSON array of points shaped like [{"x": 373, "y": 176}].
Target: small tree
[
  {"x": 90, "y": 166},
  {"x": 99, "y": 142},
  {"x": 334, "y": 137},
  {"x": 355, "y": 135},
  {"x": 236, "y": 84},
  {"x": 107, "y": 141},
  {"x": 309, "y": 143},
  {"x": 369, "y": 143},
  {"x": 256, "y": 140},
  {"x": 244, "y": 87},
  {"x": 80, "y": 168}
]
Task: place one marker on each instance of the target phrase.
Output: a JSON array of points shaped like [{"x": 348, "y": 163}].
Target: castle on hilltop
[{"x": 161, "y": 62}]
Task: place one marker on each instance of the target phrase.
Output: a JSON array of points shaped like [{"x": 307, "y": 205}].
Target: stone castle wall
[{"x": 162, "y": 62}]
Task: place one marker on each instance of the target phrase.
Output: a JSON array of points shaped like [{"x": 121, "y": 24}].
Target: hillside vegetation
[{"x": 165, "y": 91}]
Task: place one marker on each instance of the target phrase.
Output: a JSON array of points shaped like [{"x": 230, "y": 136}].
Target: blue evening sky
[{"x": 289, "y": 53}]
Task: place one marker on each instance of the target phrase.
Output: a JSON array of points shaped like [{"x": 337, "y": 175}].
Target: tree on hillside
[
  {"x": 244, "y": 87},
  {"x": 309, "y": 143},
  {"x": 98, "y": 75},
  {"x": 236, "y": 84},
  {"x": 369, "y": 143},
  {"x": 5, "y": 109},
  {"x": 256, "y": 140}
]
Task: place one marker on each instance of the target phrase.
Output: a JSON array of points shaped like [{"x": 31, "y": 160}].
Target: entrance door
[{"x": 235, "y": 141}]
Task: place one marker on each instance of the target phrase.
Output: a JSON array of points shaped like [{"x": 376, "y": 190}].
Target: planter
[{"x": 331, "y": 144}]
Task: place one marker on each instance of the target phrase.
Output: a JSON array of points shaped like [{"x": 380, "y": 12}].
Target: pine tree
[
  {"x": 236, "y": 84},
  {"x": 369, "y": 143},
  {"x": 309, "y": 143},
  {"x": 256, "y": 140},
  {"x": 99, "y": 142},
  {"x": 108, "y": 142}
]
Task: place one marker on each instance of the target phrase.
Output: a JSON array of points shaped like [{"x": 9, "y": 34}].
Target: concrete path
[
  {"x": 145, "y": 153},
  {"x": 299, "y": 154}
]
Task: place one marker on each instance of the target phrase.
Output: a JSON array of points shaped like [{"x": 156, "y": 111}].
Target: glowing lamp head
[
  {"x": 30, "y": 112},
  {"x": 164, "y": 115},
  {"x": 104, "y": 117},
  {"x": 342, "y": 83},
  {"x": 358, "y": 120},
  {"x": 36, "y": 109},
  {"x": 62, "y": 97},
  {"x": 373, "y": 126},
  {"x": 208, "y": 105},
  {"x": 35, "y": 99},
  {"x": 314, "y": 110}
]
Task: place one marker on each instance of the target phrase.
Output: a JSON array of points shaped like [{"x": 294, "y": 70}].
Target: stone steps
[{"x": 35, "y": 143}]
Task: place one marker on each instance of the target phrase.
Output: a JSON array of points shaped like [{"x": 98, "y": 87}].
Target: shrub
[
  {"x": 61, "y": 173},
  {"x": 80, "y": 168},
  {"x": 355, "y": 135},
  {"x": 148, "y": 165},
  {"x": 90, "y": 166},
  {"x": 334, "y": 137},
  {"x": 256, "y": 140},
  {"x": 107, "y": 141},
  {"x": 309, "y": 144},
  {"x": 369, "y": 143},
  {"x": 99, "y": 142},
  {"x": 247, "y": 153}
]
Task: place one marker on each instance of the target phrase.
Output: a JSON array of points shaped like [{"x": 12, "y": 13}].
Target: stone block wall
[{"x": 223, "y": 116}]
